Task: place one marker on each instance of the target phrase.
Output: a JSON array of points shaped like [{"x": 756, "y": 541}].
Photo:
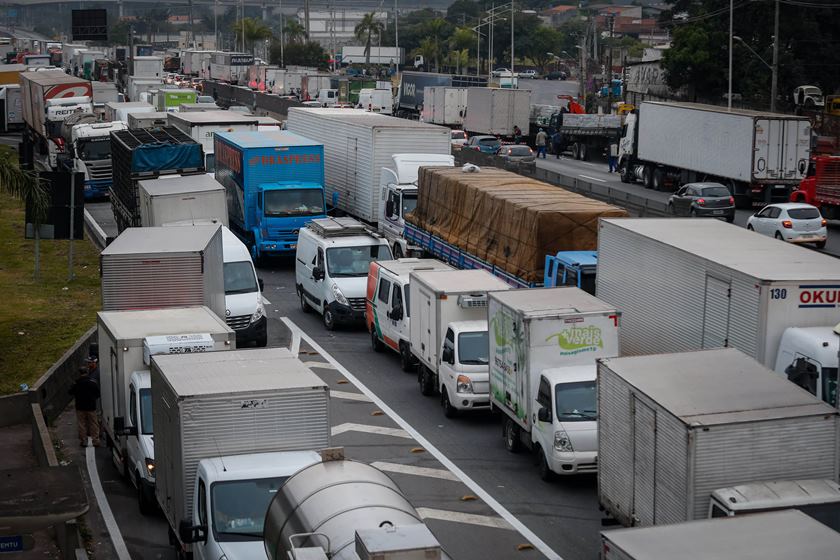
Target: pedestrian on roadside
[
  {"x": 517, "y": 135},
  {"x": 541, "y": 141},
  {"x": 85, "y": 392},
  {"x": 557, "y": 143},
  {"x": 613, "y": 157}
]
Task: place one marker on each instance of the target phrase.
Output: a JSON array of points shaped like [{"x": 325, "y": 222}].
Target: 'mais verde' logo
[{"x": 575, "y": 340}]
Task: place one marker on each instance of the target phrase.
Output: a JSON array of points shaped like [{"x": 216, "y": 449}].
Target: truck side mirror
[
  {"x": 544, "y": 414},
  {"x": 119, "y": 424},
  {"x": 318, "y": 273},
  {"x": 389, "y": 208},
  {"x": 448, "y": 355},
  {"x": 261, "y": 284},
  {"x": 190, "y": 533}
]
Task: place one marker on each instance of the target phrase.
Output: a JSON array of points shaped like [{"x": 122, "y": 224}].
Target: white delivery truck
[
  {"x": 202, "y": 126},
  {"x": 182, "y": 200},
  {"x": 690, "y": 284},
  {"x": 448, "y": 335},
  {"x": 159, "y": 267},
  {"x": 137, "y": 86},
  {"x": 496, "y": 111},
  {"x": 127, "y": 339},
  {"x": 147, "y": 67},
  {"x": 357, "y": 145},
  {"x": 119, "y": 111},
  {"x": 399, "y": 191},
  {"x": 760, "y": 156},
  {"x": 543, "y": 347},
  {"x": 88, "y": 149},
  {"x": 672, "y": 428},
  {"x": 104, "y": 92},
  {"x": 230, "y": 67},
  {"x": 444, "y": 105},
  {"x": 376, "y": 100},
  {"x": 230, "y": 428},
  {"x": 12, "y": 116},
  {"x": 152, "y": 119},
  {"x": 387, "y": 312}
]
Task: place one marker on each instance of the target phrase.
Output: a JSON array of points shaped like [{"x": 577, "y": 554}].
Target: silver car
[{"x": 516, "y": 153}]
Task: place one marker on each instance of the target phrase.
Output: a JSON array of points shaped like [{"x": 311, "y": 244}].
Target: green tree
[
  {"x": 308, "y": 53},
  {"x": 429, "y": 50},
  {"x": 463, "y": 12},
  {"x": 294, "y": 32},
  {"x": 542, "y": 41},
  {"x": 252, "y": 29},
  {"x": 693, "y": 62},
  {"x": 366, "y": 30},
  {"x": 459, "y": 59},
  {"x": 436, "y": 31},
  {"x": 28, "y": 187}
]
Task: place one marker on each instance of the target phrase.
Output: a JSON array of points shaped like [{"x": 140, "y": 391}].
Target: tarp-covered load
[{"x": 506, "y": 219}]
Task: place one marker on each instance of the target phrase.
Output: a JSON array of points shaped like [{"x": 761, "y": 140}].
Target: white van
[
  {"x": 376, "y": 100},
  {"x": 331, "y": 268},
  {"x": 244, "y": 311}
]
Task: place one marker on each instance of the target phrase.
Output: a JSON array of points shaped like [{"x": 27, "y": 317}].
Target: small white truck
[
  {"x": 543, "y": 347},
  {"x": 182, "y": 200},
  {"x": 448, "y": 335},
  {"x": 497, "y": 111}
]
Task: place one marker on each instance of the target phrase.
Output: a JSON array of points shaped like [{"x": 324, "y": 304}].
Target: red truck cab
[{"x": 821, "y": 186}]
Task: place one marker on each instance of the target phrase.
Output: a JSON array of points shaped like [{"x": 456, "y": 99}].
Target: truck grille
[
  {"x": 238, "y": 322},
  {"x": 357, "y": 303},
  {"x": 99, "y": 170}
]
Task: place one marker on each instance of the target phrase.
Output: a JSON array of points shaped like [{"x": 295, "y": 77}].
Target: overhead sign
[{"x": 90, "y": 25}]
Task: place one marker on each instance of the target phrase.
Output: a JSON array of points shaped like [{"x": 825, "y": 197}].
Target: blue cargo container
[{"x": 274, "y": 183}]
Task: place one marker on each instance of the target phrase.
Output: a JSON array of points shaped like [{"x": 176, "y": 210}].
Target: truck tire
[
  {"x": 303, "y": 305},
  {"x": 375, "y": 343},
  {"x": 658, "y": 179},
  {"x": 647, "y": 177},
  {"x": 743, "y": 202},
  {"x": 406, "y": 359},
  {"x": 576, "y": 150},
  {"x": 542, "y": 465},
  {"x": 510, "y": 433},
  {"x": 427, "y": 381},
  {"x": 448, "y": 410},
  {"x": 624, "y": 173},
  {"x": 147, "y": 506}
]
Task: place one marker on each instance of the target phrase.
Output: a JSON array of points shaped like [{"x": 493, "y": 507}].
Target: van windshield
[
  {"x": 473, "y": 348},
  {"x": 146, "y": 425},
  {"x": 239, "y": 278},
  {"x": 344, "y": 262},
  {"x": 239, "y": 507},
  {"x": 576, "y": 402},
  {"x": 294, "y": 202}
]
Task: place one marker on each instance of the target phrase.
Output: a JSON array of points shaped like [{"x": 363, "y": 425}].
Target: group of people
[
  {"x": 85, "y": 393},
  {"x": 541, "y": 142}
]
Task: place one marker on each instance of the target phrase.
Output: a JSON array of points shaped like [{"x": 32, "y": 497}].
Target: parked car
[
  {"x": 555, "y": 75},
  {"x": 791, "y": 221},
  {"x": 701, "y": 200},
  {"x": 205, "y": 99},
  {"x": 516, "y": 153},
  {"x": 500, "y": 72},
  {"x": 528, "y": 74},
  {"x": 484, "y": 143},
  {"x": 459, "y": 139}
]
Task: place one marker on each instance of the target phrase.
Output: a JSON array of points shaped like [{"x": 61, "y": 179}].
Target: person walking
[
  {"x": 85, "y": 392},
  {"x": 557, "y": 143},
  {"x": 542, "y": 141},
  {"x": 613, "y": 157},
  {"x": 517, "y": 135}
]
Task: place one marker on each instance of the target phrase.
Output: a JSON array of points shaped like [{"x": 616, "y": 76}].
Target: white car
[
  {"x": 791, "y": 221},
  {"x": 459, "y": 139},
  {"x": 528, "y": 74}
]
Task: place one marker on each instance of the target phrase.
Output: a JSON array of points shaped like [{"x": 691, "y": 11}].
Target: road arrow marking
[
  {"x": 366, "y": 428},
  {"x": 469, "y": 518},
  {"x": 442, "y": 474}
]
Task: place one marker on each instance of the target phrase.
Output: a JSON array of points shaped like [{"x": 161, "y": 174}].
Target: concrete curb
[{"x": 97, "y": 234}]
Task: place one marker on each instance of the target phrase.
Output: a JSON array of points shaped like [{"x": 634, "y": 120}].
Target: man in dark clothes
[{"x": 86, "y": 392}]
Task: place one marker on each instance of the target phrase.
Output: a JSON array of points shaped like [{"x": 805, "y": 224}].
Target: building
[
  {"x": 336, "y": 28},
  {"x": 558, "y": 15}
]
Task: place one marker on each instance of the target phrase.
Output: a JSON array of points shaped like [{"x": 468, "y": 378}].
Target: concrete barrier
[
  {"x": 95, "y": 231},
  {"x": 42, "y": 445},
  {"x": 14, "y": 409}
]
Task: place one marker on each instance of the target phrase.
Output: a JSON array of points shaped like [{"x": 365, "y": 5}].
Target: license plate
[
  {"x": 717, "y": 212},
  {"x": 293, "y": 246}
]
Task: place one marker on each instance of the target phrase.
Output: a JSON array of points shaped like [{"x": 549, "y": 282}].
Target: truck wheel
[
  {"x": 647, "y": 177},
  {"x": 303, "y": 305},
  {"x": 329, "y": 319},
  {"x": 398, "y": 252},
  {"x": 658, "y": 179},
  {"x": 375, "y": 343},
  {"x": 448, "y": 410},
  {"x": 427, "y": 383},
  {"x": 406, "y": 359},
  {"x": 510, "y": 433},
  {"x": 584, "y": 152},
  {"x": 743, "y": 202},
  {"x": 576, "y": 150},
  {"x": 624, "y": 173},
  {"x": 542, "y": 465},
  {"x": 147, "y": 506}
]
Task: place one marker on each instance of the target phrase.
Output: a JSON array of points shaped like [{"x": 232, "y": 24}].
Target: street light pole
[
  {"x": 774, "y": 80},
  {"x": 729, "y": 96},
  {"x": 511, "y": 44}
]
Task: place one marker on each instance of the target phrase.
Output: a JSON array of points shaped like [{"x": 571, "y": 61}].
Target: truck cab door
[
  {"x": 393, "y": 223},
  {"x": 397, "y": 315},
  {"x": 133, "y": 440},
  {"x": 207, "y": 549},
  {"x": 383, "y": 309},
  {"x": 542, "y": 432},
  {"x": 447, "y": 376}
]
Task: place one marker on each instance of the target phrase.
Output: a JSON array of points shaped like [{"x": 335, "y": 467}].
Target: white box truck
[
  {"x": 230, "y": 428},
  {"x": 119, "y": 110},
  {"x": 448, "y": 335},
  {"x": 543, "y": 347},
  {"x": 127, "y": 339},
  {"x": 690, "y": 284},
  {"x": 357, "y": 145},
  {"x": 147, "y": 67},
  {"x": 496, "y": 111},
  {"x": 182, "y": 200},
  {"x": 444, "y": 105},
  {"x": 203, "y": 126},
  {"x": 160, "y": 267},
  {"x": 153, "y": 119},
  {"x": 672, "y": 428},
  {"x": 139, "y": 85},
  {"x": 760, "y": 156}
]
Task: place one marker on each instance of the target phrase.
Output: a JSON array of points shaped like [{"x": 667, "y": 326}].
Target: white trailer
[
  {"x": 496, "y": 111},
  {"x": 378, "y": 55},
  {"x": 147, "y": 67},
  {"x": 357, "y": 145},
  {"x": 544, "y": 343},
  {"x": 689, "y": 284},
  {"x": 12, "y": 115},
  {"x": 119, "y": 110},
  {"x": 139, "y": 85},
  {"x": 202, "y": 126},
  {"x": 759, "y": 156},
  {"x": 444, "y": 105},
  {"x": 160, "y": 267},
  {"x": 151, "y": 119},
  {"x": 672, "y": 428},
  {"x": 181, "y": 200},
  {"x": 230, "y": 67}
]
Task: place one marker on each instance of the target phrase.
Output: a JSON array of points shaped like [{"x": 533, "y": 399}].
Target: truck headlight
[
  {"x": 339, "y": 297},
  {"x": 562, "y": 442},
  {"x": 150, "y": 466},
  {"x": 258, "y": 314},
  {"x": 464, "y": 384}
]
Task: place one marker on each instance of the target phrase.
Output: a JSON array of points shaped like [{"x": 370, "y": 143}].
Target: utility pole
[
  {"x": 511, "y": 43},
  {"x": 397, "y": 33},
  {"x": 191, "y": 42},
  {"x": 610, "y": 64},
  {"x": 216, "y": 24},
  {"x": 729, "y": 96},
  {"x": 774, "y": 80},
  {"x": 306, "y": 18}
]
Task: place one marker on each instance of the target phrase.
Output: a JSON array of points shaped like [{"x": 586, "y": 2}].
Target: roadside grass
[{"x": 40, "y": 319}]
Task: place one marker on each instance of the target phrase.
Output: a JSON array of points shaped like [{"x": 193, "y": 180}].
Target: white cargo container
[
  {"x": 224, "y": 404},
  {"x": 672, "y": 428},
  {"x": 152, "y": 119},
  {"x": 136, "y": 86},
  {"x": 230, "y": 67},
  {"x": 119, "y": 110},
  {"x": 496, "y": 111},
  {"x": 444, "y": 105},
  {"x": 690, "y": 284},
  {"x": 770, "y": 536},
  {"x": 149, "y": 268},
  {"x": 357, "y": 145},
  {"x": 201, "y": 126},
  {"x": 543, "y": 344},
  {"x": 377, "y": 55},
  {"x": 182, "y": 200},
  {"x": 147, "y": 67}
]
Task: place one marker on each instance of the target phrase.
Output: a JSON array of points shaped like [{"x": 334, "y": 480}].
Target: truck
[
  {"x": 202, "y": 127},
  {"x": 391, "y": 56},
  {"x": 506, "y": 223},
  {"x": 497, "y": 111},
  {"x": 821, "y": 186},
  {"x": 170, "y": 100},
  {"x": 152, "y": 119},
  {"x": 197, "y": 62},
  {"x": 760, "y": 157},
  {"x": 444, "y": 105},
  {"x": 147, "y": 67},
  {"x": 586, "y": 134},
  {"x": 214, "y": 487},
  {"x": 120, "y": 110},
  {"x": 127, "y": 340},
  {"x": 674, "y": 427},
  {"x": 104, "y": 92},
  {"x": 11, "y": 114},
  {"x": 571, "y": 268},
  {"x": 398, "y": 185},
  {"x": 686, "y": 285},
  {"x": 274, "y": 183},
  {"x": 544, "y": 345},
  {"x": 10, "y": 73},
  {"x": 178, "y": 200},
  {"x": 136, "y": 86},
  {"x": 357, "y": 145},
  {"x": 448, "y": 335},
  {"x": 88, "y": 151},
  {"x": 231, "y": 67},
  {"x": 410, "y": 95},
  {"x": 146, "y": 154},
  {"x": 83, "y": 62},
  {"x": 376, "y": 100},
  {"x": 162, "y": 267}
]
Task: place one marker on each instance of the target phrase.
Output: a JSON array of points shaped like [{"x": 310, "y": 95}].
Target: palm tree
[
  {"x": 435, "y": 30},
  {"x": 294, "y": 32},
  {"x": 27, "y": 186},
  {"x": 461, "y": 40},
  {"x": 430, "y": 51},
  {"x": 366, "y": 30},
  {"x": 459, "y": 59},
  {"x": 253, "y": 30}
]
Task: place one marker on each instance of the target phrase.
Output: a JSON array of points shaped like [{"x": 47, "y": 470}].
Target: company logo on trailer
[
  {"x": 295, "y": 159},
  {"x": 819, "y": 296},
  {"x": 62, "y": 91},
  {"x": 229, "y": 156}
]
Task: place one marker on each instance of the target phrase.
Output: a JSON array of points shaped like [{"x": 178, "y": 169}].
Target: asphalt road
[{"x": 545, "y": 92}]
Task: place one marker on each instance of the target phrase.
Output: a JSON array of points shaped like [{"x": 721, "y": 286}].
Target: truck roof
[
  {"x": 266, "y": 139},
  {"x": 778, "y": 535},
  {"x": 162, "y": 240},
  {"x": 721, "y": 109},
  {"x": 213, "y": 117},
  {"x": 51, "y": 78},
  {"x": 406, "y": 165},
  {"x": 404, "y": 267},
  {"x": 181, "y": 184},
  {"x": 736, "y": 248},
  {"x": 460, "y": 281},
  {"x": 236, "y": 371},
  {"x": 716, "y": 387},
  {"x": 259, "y": 465},
  {"x": 140, "y": 323},
  {"x": 362, "y": 118},
  {"x": 543, "y": 302},
  {"x": 127, "y": 104},
  {"x": 778, "y": 494}
]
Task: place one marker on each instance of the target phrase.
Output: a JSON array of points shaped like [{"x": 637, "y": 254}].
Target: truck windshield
[
  {"x": 92, "y": 149},
  {"x": 239, "y": 507},
  {"x": 239, "y": 278},
  {"x": 473, "y": 348},
  {"x": 355, "y": 261},
  {"x": 297, "y": 202},
  {"x": 576, "y": 402},
  {"x": 146, "y": 426},
  {"x": 829, "y": 389},
  {"x": 409, "y": 203}
]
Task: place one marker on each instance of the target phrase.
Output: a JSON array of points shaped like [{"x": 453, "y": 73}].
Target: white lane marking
[
  {"x": 265, "y": 301},
  {"x": 442, "y": 474},
  {"x": 538, "y": 543},
  {"x": 323, "y": 365},
  {"x": 367, "y": 428},
  {"x": 104, "y": 507},
  {"x": 592, "y": 178},
  {"x": 295, "y": 347},
  {"x": 468, "y": 518},
  {"x": 349, "y": 396}
]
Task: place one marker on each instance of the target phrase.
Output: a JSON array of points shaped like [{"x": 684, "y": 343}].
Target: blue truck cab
[
  {"x": 275, "y": 185},
  {"x": 571, "y": 268}
]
